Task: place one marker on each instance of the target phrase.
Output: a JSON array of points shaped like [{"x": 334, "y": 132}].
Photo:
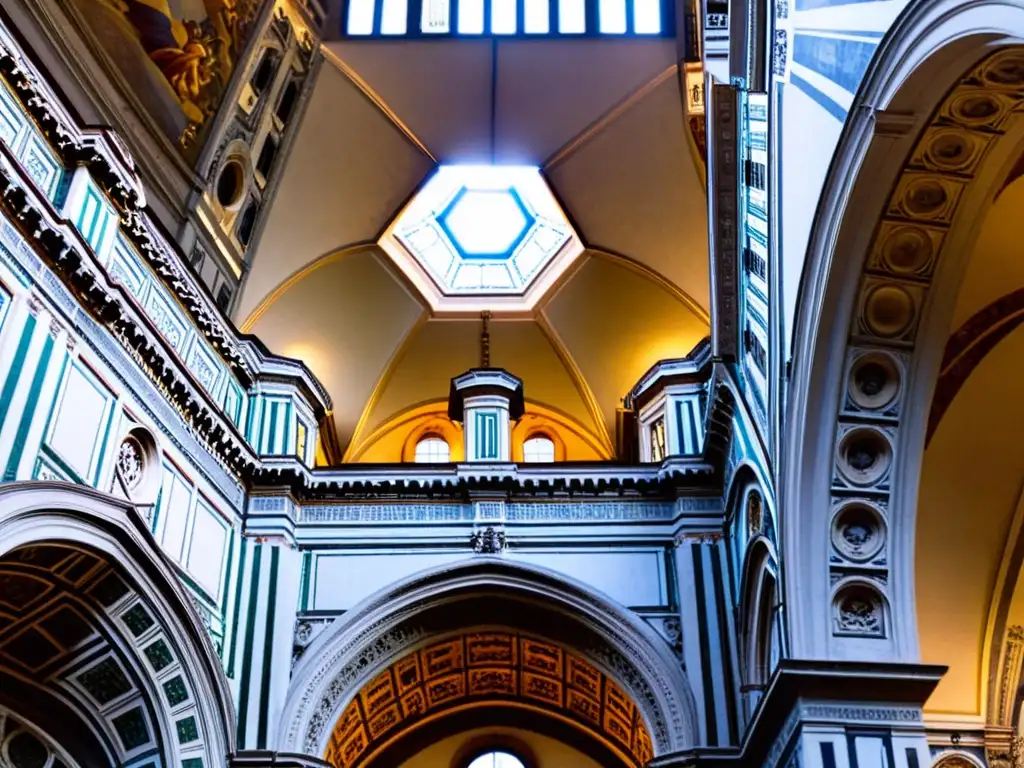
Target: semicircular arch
[
  {"x": 928, "y": 141},
  {"x": 98, "y": 569},
  {"x": 430, "y": 604}
]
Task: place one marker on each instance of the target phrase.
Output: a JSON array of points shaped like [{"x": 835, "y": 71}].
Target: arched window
[
  {"x": 287, "y": 102},
  {"x": 267, "y": 155},
  {"x": 432, "y": 450},
  {"x": 247, "y": 222},
  {"x": 496, "y": 759},
  {"x": 539, "y": 449},
  {"x": 264, "y": 74}
]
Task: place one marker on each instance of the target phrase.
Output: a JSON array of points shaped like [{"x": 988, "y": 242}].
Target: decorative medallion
[
  {"x": 858, "y": 531},
  {"x": 864, "y": 456},
  {"x": 130, "y": 465},
  {"x": 490, "y": 541},
  {"x": 858, "y": 611},
  {"x": 874, "y": 382}
]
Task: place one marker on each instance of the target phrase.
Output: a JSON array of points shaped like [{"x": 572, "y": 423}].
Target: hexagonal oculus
[
  {"x": 486, "y": 223},
  {"x": 482, "y": 236}
]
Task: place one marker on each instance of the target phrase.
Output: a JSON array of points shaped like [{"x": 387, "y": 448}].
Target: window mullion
[
  {"x": 414, "y": 18},
  {"x": 590, "y": 19}
]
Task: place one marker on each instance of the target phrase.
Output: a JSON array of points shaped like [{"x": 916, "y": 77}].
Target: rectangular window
[
  {"x": 658, "y": 447},
  {"x": 471, "y": 17},
  {"x": 755, "y": 174},
  {"x": 393, "y": 17},
  {"x": 756, "y": 351},
  {"x": 224, "y": 297},
  {"x": 435, "y": 18},
  {"x": 754, "y": 263},
  {"x": 300, "y": 440},
  {"x": 503, "y": 17},
  {"x": 535, "y": 17},
  {"x": 572, "y": 17},
  {"x": 647, "y": 17},
  {"x": 612, "y": 17},
  {"x": 360, "y": 17}
]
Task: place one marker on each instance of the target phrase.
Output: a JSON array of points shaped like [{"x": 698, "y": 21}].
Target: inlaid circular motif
[
  {"x": 1007, "y": 71},
  {"x": 864, "y": 456},
  {"x": 888, "y": 311},
  {"x": 950, "y": 150},
  {"x": 858, "y": 531},
  {"x": 874, "y": 381},
  {"x": 907, "y": 250},
  {"x": 925, "y": 198},
  {"x": 976, "y": 108}
]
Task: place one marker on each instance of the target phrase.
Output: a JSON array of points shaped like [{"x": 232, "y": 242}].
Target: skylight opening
[
  {"x": 503, "y": 17},
  {"x": 647, "y": 17},
  {"x": 508, "y": 18},
  {"x": 393, "y": 17},
  {"x": 435, "y": 17},
  {"x": 613, "y": 16},
  {"x": 471, "y": 17},
  {"x": 535, "y": 17},
  {"x": 572, "y": 17},
  {"x": 360, "y": 17},
  {"x": 481, "y": 231}
]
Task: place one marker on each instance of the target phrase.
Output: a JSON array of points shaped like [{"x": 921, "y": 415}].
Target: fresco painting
[{"x": 177, "y": 56}]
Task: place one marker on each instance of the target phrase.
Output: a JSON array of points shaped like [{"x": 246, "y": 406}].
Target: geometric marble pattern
[{"x": 54, "y": 600}]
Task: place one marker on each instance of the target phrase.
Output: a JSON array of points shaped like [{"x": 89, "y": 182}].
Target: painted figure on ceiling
[{"x": 193, "y": 44}]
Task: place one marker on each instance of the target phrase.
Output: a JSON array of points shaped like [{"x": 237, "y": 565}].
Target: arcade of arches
[{"x": 511, "y": 384}]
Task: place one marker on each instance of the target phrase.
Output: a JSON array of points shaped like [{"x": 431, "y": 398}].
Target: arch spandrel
[{"x": 523, "y": 599}]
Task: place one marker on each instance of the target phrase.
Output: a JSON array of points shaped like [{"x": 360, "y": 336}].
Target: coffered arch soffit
[
  {"x": 505, "y": 598},
  {"x": 927, "y": 153},
  {"x": 102, "y": 648}
]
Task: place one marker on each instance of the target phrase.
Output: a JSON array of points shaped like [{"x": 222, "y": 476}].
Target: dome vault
[{"x": 477, "y": 237}]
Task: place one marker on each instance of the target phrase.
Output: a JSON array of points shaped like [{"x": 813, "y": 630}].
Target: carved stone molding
[
  {"x": 894, "y": 289},
  {"x": 369, "y": 637}
]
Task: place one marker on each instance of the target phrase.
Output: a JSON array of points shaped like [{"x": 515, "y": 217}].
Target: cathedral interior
[{"x": 511, "y": 384}]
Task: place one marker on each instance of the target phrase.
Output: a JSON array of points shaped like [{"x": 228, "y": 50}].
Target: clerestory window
[
  {"x": 432, "y": 450},
  {"x": 506, "y": 18}
]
